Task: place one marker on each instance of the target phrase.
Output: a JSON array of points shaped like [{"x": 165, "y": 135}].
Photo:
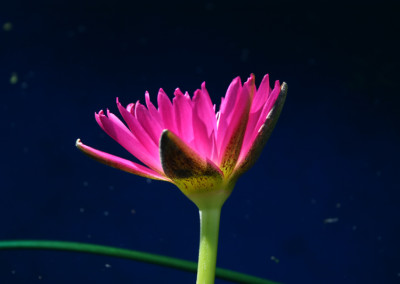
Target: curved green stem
[
  {"x": 209, "y": 228},
  {"x": 185, "y": 265}
]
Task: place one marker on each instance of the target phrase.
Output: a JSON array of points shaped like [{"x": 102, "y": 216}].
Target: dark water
[{"x": 320, "y": 206}]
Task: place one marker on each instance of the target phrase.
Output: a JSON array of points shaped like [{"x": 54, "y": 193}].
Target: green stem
[
  {"x": 209, "y": 228},
  {"x": 166, "y": 261}
]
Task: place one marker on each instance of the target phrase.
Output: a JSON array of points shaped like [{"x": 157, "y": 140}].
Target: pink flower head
[{"x": 188, "y": 143}]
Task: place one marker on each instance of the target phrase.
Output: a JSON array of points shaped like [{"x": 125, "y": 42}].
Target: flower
[{"x": 188, "y": 143}]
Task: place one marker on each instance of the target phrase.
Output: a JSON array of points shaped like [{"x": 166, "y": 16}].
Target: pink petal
[
  {"x": 178, "y": 92},
  {"x": 148, "y": 123},
  {"x": 119, "y": 163},
  {"x": 240, "y": 110},
  {"x": 229, "y": 101},
  {"x": 152, "y": 109},
  {"x": 137, "y": 130},
  {"x": 201, "y": 141},
  {"x": 258, "y": 119},
  {"x": 225, "y": 113},
  {"x": 232, "y": 142},
  {"x": 269, "y": 104},
  {"x": 214, "y": 150},
  {"x": 257, "y": 106},
  {"x": 183, "y": 115},
  {"x": 247, "y": 159},
  {"x": 204, "y": 108},
  {"x": 166, "y": 111},
  {"x": 97, "y": 118},
  {"x": 261, "y": 95},
  {"x": 250, "y": 130},
  {"x": 120, "y": 133}
]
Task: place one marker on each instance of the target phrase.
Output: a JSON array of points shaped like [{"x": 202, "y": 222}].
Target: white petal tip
[{"x": 78, "y": 142}]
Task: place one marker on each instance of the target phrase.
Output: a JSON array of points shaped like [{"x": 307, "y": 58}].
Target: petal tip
[
  {"x": 251, "y": 81},
  {"x": 284, "y": 87},
  {"x": 165, "y": 132},
  {"x": 237, "y": 80},
  {"x": 164, "y": 137},
  {"x": 178, "y": 92}
]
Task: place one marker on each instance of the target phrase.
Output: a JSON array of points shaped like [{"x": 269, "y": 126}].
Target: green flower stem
[
  {"x": 190, "y": 266},
  {"x": 209, "y": 228}
]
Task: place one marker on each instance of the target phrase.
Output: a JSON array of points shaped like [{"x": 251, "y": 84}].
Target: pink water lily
[
  {"x": 187, "y": 142},
  {"x": 201, "y": 151}
]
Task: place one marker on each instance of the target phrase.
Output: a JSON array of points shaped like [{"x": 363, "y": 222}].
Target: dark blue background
[{"x": 333, "y": 154}]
